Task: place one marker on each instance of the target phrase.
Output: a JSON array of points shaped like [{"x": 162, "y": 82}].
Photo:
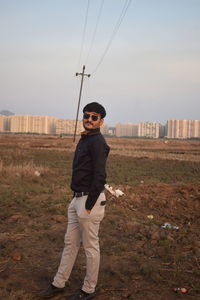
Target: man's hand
[{"x": 88, "y": 211}]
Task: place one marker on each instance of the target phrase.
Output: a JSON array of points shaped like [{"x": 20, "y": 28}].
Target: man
[{"x": 86, "y": 209}]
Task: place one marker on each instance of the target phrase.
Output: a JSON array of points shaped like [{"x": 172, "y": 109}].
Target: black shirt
[{"x": 89, "y": 174}]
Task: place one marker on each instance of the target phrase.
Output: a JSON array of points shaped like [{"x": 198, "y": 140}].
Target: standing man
[{"x": 87, "y": 207}]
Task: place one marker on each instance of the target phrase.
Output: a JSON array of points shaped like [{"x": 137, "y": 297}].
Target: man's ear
[{"x": 101, "y": 121}]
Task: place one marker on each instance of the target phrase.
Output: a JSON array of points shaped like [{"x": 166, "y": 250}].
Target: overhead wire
[
  {"x": 116, "y": 28},
  {"x": 79, "y": 60},
  {"x": 84, "y": 31},
  {"x": 95, "y": 30}
]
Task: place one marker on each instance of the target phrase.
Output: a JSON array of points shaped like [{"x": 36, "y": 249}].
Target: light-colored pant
[{"x": 84, "y": 227}]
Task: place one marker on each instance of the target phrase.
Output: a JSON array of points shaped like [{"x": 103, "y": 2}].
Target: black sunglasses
[{"x": 87, "y": 116}]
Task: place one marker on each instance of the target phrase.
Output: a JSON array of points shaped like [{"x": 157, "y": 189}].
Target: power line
[
  {"x": 95, "y": 30},
  {"x": 83, "y": 72},
  {"x": 122, "y": 15},
  {"x": 84, "y": 31}
]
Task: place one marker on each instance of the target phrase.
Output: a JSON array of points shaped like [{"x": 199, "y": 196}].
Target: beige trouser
[{"x": 82, "y": 227}]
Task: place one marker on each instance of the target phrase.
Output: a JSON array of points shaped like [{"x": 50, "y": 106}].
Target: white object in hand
[{"x": 116, "y": 192}]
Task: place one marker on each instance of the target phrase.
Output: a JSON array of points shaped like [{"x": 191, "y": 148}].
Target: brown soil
[{"x": 139, "y": 259}]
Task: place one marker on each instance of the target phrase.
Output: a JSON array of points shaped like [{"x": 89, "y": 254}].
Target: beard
[{"x": 85, "y": 126}]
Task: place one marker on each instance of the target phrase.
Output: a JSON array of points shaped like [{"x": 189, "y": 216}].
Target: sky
[{"x": 149, "y": 73}]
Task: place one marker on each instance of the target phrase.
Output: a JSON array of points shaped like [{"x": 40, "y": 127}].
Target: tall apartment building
[
  {"x": 7, "y": 123},
  {"x": 68, "y": 126},
  {"x": 104, "y": 129},
  {"x": 111, "y": 131},
  {"x": 19, "y": 123},
  {"x": 196, "y": 130},
  {"x": 33, "y": 124},
  {"x": 128, "y": 130},
  {"x": 2, "y": 122},
  {"x": 42, "y": 124},
  {"x": 150, "y": 129},
  {"x": 183, "y": 129},
  {"x": 2, "y": 118}
]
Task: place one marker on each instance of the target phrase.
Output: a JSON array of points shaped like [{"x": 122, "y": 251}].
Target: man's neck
[{"x": 90, "y": 131}]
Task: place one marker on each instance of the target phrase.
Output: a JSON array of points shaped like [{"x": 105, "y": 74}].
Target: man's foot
[
  {"x": 51, "y": 291},
  {"x": 82, "y": 295}
]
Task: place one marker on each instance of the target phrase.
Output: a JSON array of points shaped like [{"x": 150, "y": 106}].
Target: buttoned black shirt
[{"x": 89, "y": 166}]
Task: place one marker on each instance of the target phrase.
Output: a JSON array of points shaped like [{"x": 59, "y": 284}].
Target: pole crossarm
[
  {"x": 82, "y": 74},
  {"x": 79, "y": 100}
]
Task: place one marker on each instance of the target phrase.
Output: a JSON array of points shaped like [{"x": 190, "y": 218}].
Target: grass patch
[
  {"x": 131, "y": 171},
  {"x": 22, "y": 170},
  {"x": 132, "y": 255}
]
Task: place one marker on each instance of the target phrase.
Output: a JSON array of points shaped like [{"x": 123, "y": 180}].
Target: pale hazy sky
[{"x": 151, "y": 71}]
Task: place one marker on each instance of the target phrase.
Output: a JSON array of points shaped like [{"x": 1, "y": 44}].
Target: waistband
[{"x": 80, "y": 194}]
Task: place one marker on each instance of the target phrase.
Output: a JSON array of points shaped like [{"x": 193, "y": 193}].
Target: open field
[{"x": 139, "y": 259}]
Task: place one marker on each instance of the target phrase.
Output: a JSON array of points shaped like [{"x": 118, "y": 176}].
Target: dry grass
[
  {"x": 157, "y": 155},
  {"x": 28, "y": 169},
  {"x": 181, "y": 150}
]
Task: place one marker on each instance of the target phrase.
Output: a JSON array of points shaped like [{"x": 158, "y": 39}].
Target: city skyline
[
  {"x": 151, "y": 71},
  {"x": 80, "y": 119},
  {"x": 51, "y": 125}
]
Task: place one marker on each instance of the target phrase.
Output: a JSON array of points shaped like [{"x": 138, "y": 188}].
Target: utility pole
[{"x": 79, "y": 100}]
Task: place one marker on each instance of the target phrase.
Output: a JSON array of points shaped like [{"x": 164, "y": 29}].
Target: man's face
[{"x": 92, "y": 120}]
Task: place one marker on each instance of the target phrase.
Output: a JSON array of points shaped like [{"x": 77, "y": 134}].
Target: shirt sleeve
[{"x": 99, "y": 153}]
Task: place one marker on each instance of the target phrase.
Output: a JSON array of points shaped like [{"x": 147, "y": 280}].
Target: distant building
[
  {"x": 111, "y": 131},
  {"x": 104, "y": 129},
  {"x": 196, "y": 130},
  {"x": 163, "y": 131},
  {"x": 33, "y": 124},
  {"x": 183, "y": 129},
  {"x": 2, "y": 126},
  {"x": 126, "y": 130},
  {"x": 19, "y": 123},
  {"x": 4, "y": 123},
  {"x": 41, "y": 125},
  {"x": 150, "y": 130},
  {"x": 68, "y": 127}
]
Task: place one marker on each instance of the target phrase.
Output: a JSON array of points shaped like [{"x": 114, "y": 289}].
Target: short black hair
[{"x": 96, "y": 107}]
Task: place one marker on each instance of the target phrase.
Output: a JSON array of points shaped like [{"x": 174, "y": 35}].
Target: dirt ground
[{"x": 139, "y": 258}]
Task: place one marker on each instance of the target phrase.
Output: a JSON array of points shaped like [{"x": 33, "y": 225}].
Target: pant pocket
[
  {"x": 98, "y": 210},
  {"x": 81, "y": 211}
]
